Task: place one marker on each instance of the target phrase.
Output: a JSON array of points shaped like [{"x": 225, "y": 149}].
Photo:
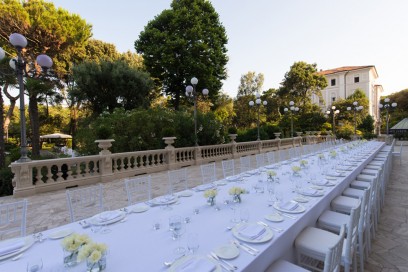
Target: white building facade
[{"x": 343, "y": 81}]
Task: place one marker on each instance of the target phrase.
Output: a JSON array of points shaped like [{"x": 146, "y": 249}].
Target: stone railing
[{"x": 56, "y": 174}]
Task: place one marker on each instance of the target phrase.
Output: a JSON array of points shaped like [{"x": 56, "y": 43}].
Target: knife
[
  {"x": 224, "y": 261},
  {"x": 220, "y": 263},
  {"x": 247, "y": 250}
]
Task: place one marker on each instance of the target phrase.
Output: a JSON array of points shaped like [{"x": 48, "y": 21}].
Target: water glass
[
  {"x": 244, "y": 215},
  {"x": 34, "y": 265},
  {"x": 192, "y": 242},
  {"x": 96, "y": 227},
  {"x": 174, "y": 222}
]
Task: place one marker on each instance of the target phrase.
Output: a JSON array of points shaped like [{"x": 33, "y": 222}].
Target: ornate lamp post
[
  {"x": 258, "y": 103},
  {"x": 293, "y": 110},
  {"x": 334, "y": 112},
  {"x": 356, "y": 108},
  {"x": 19, "y": 65},
  {"x": 191, "y": 92},
  {"x": 387, "y": 106}
]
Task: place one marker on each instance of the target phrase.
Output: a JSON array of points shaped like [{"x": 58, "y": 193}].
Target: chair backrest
[
  {"x": 228, "y": 168},
  {"x": 332, "y": 260},
  {"x": 208, "y": 173},
  {"x": 85, "y": 202},
  {"x": 245, "y": 163},
  {"x": 270, "y": 156},
  {"x": 138, "y": 189},
  {"x": 177, "y": 180},
  {"x": 365, "y": 210},
  {"x": 13, "y": 219},
  {"x": 352, "y": 233},
  {"x": 283, "y": 155},
  {"x": 260, "y": 160}
]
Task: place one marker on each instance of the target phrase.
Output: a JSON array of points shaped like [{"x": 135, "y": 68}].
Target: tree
[
  {"x": 301, "y": 82},
  {"x": 185, "y": 41},
  {"x": 342, "y": 105},
  {"x": 97, "y": 50},
  {"x": 401, "y": 111},
  {"x": 108, "y": 85},
  {"x": 250, "y": 84}
]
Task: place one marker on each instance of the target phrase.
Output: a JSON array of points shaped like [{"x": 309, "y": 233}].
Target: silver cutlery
[
  {"x": 169, "y": 263},
  {"x": 286, "y": 215},
  {"x": 220, "y": 263},
  {"x": 13, "y": 259},
  {"x": 247, "y": 250},
  {"x": 247, "y": 246},
  {"x": 272, "y": 228},
  {"x": 224, "y": 261}
]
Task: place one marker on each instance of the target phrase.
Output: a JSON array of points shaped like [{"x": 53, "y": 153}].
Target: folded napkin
[
  {"x": 289, "y": 206},
  {"x": 205, "y": 187},
  {"x": 321, "y": 182},
  {"x": 335, "y": 175},
  {"x": 164, "y": 199},
  {"x": 197, "y": 264},
  {"x": 108, "y": 215},
  {"x": 251, "y": 231},
  {"x": 310, "y": 192},
  {"x": 11, "y": 247}
]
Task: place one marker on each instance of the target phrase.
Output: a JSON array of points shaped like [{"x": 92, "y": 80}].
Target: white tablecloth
[{"x": 135, "y": 246}]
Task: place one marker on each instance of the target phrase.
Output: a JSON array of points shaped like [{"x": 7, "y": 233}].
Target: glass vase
[
  {"x": 70, "y": 257},
  {"x": 236, "y": 198},
  {"x": 211, "y": 201},
  {"x": 100, "y": 265}
]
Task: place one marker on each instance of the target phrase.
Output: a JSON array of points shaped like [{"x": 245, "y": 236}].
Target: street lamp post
[
  {"x": 355, "y": 108},
  {"x": 293, "y": 110},
  {"x": 191, "y": 92},
  {"x": 387, "y": 106},
  {"x": 334, "y": 112},
  {"x": 258, "y": 103},
  {"x": 19, "y": 65}
]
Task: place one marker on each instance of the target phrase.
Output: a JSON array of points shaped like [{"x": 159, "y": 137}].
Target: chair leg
[{"x": 361, "y": 251}]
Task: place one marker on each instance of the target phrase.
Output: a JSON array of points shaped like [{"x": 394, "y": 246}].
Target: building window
[
  {"x": 333, "y": 99},
  {"x": 333, "y": 82},
  {"x": 356, "y": 79}
]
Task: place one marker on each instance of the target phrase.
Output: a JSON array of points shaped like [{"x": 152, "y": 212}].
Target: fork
[
  {"x": 224, "y": 261},
  {"x": 222, "y": 264},
  {"x": 273, "y": 228}
]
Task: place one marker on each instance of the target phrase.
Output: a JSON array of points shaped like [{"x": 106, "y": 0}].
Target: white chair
[
  {"x": 270, "y": 157},
  {"x": 228, "y": 168},
  {"x": 208, "y": 173},
  {"x": 260, "y": 160},
  {"x": 331, "y": 261},
  {"x": 398, "y": 154},
  {"x": 245, "y": 163},
  {"x": 177, "y": 180},
  {"x": 312, "y": 244},
  {"x": 13, "y": 219},
  {"x": 138, "y": 189},
  {"x": 85, "y": 202}
]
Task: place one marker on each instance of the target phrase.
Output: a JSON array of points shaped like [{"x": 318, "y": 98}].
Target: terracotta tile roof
[{"x": 343, "y": 69}]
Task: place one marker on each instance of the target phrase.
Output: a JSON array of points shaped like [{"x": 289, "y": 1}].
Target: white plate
[
  {"x": 60, "y": 233},
  {"x": 96, "y": 220},
  {"x": 177, "y": 265},
  {"x": 187, "y": 193},
  {"x": 204, "y": 187},
  {"x": 266, "y": 236},
  {"x": 28, "y": 242},
  {"x": 299, "y": 209},
  {"x": 316, "y": 187},
  {"x": 220, "y": 183},
  {"x": 233, "y": 178},
  {"x": 274, "y": 217},
  {"x": 316, "y": 192},
  {"x": 227, "y": 251},
  {"x": 163, "y": 200},
  {"x": 301, "y": 199},
  {"x": 138, "y": 208}
]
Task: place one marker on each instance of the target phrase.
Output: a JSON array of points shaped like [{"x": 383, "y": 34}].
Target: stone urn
[
  {"x": 233, "y": 137},
  {"x": 299, "y": 133},
  {"x": 169, "y": 141},
  {"x": 104, "y": 145},
  {"x": 277, "y": 134}
]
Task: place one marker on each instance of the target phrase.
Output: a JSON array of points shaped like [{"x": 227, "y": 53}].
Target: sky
[{"x": 268, "y": 36}]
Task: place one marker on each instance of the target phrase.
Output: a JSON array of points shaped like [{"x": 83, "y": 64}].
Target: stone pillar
[
  {"x": 105, "y": 161},
  {"x": 233, "y": 145},
  {"x": 198, "y": 158},
  {"x": 277, "y": 135},
  {"x": 23, "y": 179},
  {"x": 171, "y": 153}
]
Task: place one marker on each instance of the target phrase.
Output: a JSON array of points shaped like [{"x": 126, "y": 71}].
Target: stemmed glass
[
  {"x": 34, "y": 265},
  {"x": 271, "y": 190},
  {"x": 105, "y": 228},
  {"x": 178, "y": 230},
  {"x": 192, "y": 242}
]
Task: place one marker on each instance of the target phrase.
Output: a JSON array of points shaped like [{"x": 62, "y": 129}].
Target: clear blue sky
[{"x": 268, "y": 36}]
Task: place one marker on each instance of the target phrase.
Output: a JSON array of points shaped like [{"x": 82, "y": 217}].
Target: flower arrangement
[
  {"x": 296, "y": 169},
  {"x": 71, "y": 245},
  {"x": 321, "y": 156},
  {"x": 271, "y": 173},
  {"x": 210, "y": 195},
  {"x": 95, "y": 256},
  {"x": 342, "y": 149},
  {"x": 236, "y": 193},
  {"x": 333, "y": 153},
  {"x": 303, "y": 162}
]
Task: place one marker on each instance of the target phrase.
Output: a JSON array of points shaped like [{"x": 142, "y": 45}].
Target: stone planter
[
  {"x": 104, "y": 145},
  {"x": 277, "y": 134},
  {"x": 169, "y": 141},
  {"x": 299, "y": 133},
  {"x": 233, "y": 137}
]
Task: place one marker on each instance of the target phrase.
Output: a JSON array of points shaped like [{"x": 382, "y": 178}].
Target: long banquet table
[{"x": 134, "y": 245}]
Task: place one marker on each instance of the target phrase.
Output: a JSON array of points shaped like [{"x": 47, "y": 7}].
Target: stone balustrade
[{"x": 56, "y": 174}]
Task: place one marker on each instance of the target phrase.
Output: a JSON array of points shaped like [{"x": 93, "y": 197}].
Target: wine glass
[
  {"x": 192, "y": 242},
  {"x": 34, "y": 265},
  {"x": 271, "y": 190},
  {"x": 244, "y": 215},
  {"x": 106, "y": 229},
  {"x": 178, "y": 230}
]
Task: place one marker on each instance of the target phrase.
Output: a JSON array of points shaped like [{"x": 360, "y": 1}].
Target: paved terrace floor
[{"x": 389, "y": 251}]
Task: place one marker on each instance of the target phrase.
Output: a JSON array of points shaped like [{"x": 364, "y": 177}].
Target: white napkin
[
  {"x": 11, "y": 247},
  {"x": 194, "y": 265},
  {"x": 205, "y": 187},
  {"x": 108, "y": 215},
  {"x": 322, "y": 182},
  {"x": 289, "y": 206},
  {"x": 251, "y": 231}
]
